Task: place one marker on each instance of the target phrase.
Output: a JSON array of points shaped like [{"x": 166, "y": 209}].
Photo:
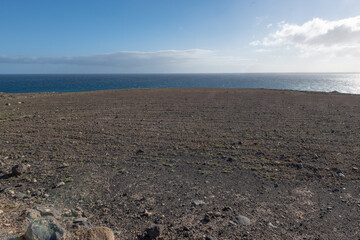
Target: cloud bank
[
  {"x": 193, "y": 60},
  {"x": 340, "y": 38}
]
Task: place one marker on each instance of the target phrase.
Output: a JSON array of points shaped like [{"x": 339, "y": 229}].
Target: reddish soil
[{"x": 287, "y": 160}]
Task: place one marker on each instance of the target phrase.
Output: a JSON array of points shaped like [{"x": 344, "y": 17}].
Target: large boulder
[{"x": 45, "y": 229}]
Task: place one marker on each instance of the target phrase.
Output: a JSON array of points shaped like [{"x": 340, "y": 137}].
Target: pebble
[
  {"x": 11, "y": 192},
  {"x": 20, "y": 196},
  {"x": 206, "y": 219},
  {"x": 60, "y": 184},
  {"x": 198, "y": 202},
  {"x": 272, "y": 225},
  {"x": 210, "y": 238},
  {"x": 341, "y": 175},
  {"x": 243, "y": 220},
  {"x": 1, "y": 211},
  {"x": 232, "y": 223},
  {"x": 299, "y": 166}
]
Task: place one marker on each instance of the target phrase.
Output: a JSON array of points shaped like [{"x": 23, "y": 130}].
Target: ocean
[{"x": 323, "y": 82}]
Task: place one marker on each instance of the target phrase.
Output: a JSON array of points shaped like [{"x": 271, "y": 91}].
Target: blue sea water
[{"x": 323, "y": 82}]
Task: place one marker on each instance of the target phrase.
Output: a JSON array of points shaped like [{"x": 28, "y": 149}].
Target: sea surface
[{"x": 323, "y": 82}]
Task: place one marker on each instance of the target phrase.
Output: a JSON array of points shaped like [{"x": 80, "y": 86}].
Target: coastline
[{"x": 158, "y": 150}]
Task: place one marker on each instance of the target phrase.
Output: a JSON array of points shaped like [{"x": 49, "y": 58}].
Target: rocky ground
[{"x": 183, "y": 163}]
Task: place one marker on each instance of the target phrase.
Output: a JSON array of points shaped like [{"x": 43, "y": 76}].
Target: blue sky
[{"x": 137, "y": 36}]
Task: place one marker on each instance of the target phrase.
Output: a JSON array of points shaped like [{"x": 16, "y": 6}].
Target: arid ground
[{"x": 190, "y": 160}]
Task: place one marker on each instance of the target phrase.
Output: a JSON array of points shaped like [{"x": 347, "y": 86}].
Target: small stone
[
  {"x": 329, "y": 208},
  {"x": 19, "y": 169},
  {"x": 64, "y": 165},
  {"x": 341, "y": 175},
  {"x": 206, "y": 219},
  {"x": 243, "y": 220},
  {"x": 11, "y": 192},
  {"x": 146, "y": 213},
  {"x": 1, "y": 211},
  {"x": 153, "y": 232},
  {"x": 230, "y": 159},
  {"x": 20, "y": 195},
  {"x": 232, "y": 223},
  {"x": 8, "y": 104},
  {"x": 210, "y": 238},
  {"x": 140, "y": 151},
  {"x": 60, "y": 184},
  {"x": 299, "y": 166},
  {"x": 225, "y": 209},
  {"x": 99, "y": 233},
  {"x": 198, "y": 202},
  {"x": 217, "y": 214},
  {"x": 338, "y": 170},
  {"x": 272, "y": 225},
  {"x": 82, "y": 222},
  {"x": 34, "y": 180},
  {"x": 355, "y": 168},
  {"x": 33, "y": 214}
]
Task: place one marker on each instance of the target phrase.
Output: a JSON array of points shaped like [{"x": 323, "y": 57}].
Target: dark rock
[
  {"x": 139, "y": 151},
  {"x": 206, "y": 219},
  {"x": 338, "y": 170},
  {"x": 80, "y": 221},
  {"x": 185, "y": 228},
  {"x": 225, "y": 209},
  {"x": 299, "y": 166},
  {"x": 153, "y": 232},
  {"x": 19, "y": 169},
  {"x": 230, "y": 159}
]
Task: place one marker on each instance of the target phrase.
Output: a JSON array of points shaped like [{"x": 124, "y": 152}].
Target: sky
[{"x": 179, "y": 36}]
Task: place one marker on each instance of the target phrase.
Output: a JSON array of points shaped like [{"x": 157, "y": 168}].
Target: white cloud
[
  {"x": 193, "y": 60},
  {"x": 262, "y": 50},
  {"x": 341, "y": 37}
]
